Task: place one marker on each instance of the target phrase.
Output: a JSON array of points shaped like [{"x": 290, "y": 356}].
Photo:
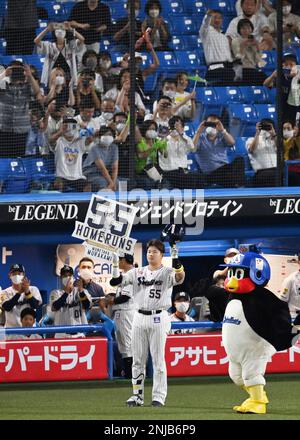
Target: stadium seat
[
  {"x": 116, "y": 57},
  {"x": 13, "y": 176},
  {"x": 40, "y": 172},
  {"x": 241, "y": 150},
  {"x": 208, "y": 101},
  {"x": 195, "y": 7},
  {"x": 192, "y": 42},
  {"x": 173, "y": 7},
  {"x": 2, "y": 46},
  {"x": 229, "y": 94},
  {"x": 7, "y": 59},
  {"x": 269, "y": 58},
  {"x": 265, "y": 111},
  {"x": 182, "y": 25},
  {"x": 189, "y": 129},
  {"x": 117, "y": 10},
  {"x": 178, "y": 43},
  {"x": 68, "y": 6},
  {"x": 55, "y": 11},
  {"x": 167, "y": 60},
  {"x": 150, "y": 83},
  {"x": 224, "y": 6},
  {"x": 106, "y": 44},
  {"x": 188, "y": 60},
  {"x": 243, "y": 118},
  {"x": 36, "y": 61},
  {"x": 255, "y": 95},
  {"x": 192, "y": 163}
]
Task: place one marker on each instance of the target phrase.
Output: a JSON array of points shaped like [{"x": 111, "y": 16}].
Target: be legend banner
[
  {"x": 53, "y": 359},
  {"x": 204, "y": 355}
]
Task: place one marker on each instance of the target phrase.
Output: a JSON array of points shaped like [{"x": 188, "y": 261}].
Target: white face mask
[
  {"x": 65, "y": 280},
  {"x": 211, "y": 131},
  {"x": 286, "y": 9},
  {"x": 170, "y": 93},
  {"x": 105, "y": 64},
  {"x": 151, "y": 134},
  {"x": 174, "y": 133},
  {"x": 120, "y": 126},
  {"x": 86, "y": 274},
  {"x": 182, "y": 306},
  {"x": 265, "y": 134},
  {"x": 17, "y": 279},
  {"x": 107, "y": 115},
  {"x": 60, "y": 33},
  {"x": 106, "y": 140},
  {"x": 154, "y": 13},
  {"x": 59, "y": 80},
  {"x": 288, "y": 134}
]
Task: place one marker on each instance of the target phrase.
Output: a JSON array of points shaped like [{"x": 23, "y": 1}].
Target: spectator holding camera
[
  {"x": 101, "y": 165},
  {"x": 108, "y": 109},
  {"x": 90, "y": 62},
  {"x": 216, "y": 49},
  {"x": 261, "y": 29},
  {"x": 70, "y": 302},
  {"x": 245, "y": 48},
  {"x": 212, "y": 141},
  {"x": 17, "y": 87},
  {"x": 59, "y": 89},
  {"x": 169, "y": 89},
  {"x": 160, "y": 34},
  {"x": 70, "y": 147},
  {"x": 291, "y": 23},
  {"x": 61, "y": 52},
  {"x": 262, "y": 152},
  {"x": 92, "y": 19},
  {"x": 19, "y": 296},
  {"x": 109, "y": 74},
  {"x": 86, "y": 89}
]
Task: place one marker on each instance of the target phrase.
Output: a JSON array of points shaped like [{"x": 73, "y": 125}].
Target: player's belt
[{"x": 149, "y": 312}]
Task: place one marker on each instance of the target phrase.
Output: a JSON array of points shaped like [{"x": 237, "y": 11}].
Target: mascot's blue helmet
[
  {"x": 259, "y": 268},
  {"x": 172, "y": 233}
]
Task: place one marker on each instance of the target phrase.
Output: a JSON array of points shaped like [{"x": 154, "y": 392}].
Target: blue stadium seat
[
  {"x": 106, "y": 44},
  {"x": 268, "y": 57},
  {"x": 208, "y": 101},
  {"x": 178, "y": 43},
  {"x": 173, "y": 7},
  {"x": 117, "y": 10},
  {"x": 192, "y": 42},
  {"x": 241, "y": 150},
  {"x": 40, "y": 171},
  {"x": 189, "y": 129},
  {"x": 150, "y": 83},
  {"x": 13, "y": 176},
  {"x": 255, "y": 94},
  {"x": 192, "y": 163},
  {"x": 229, "y": 94},
  {"x": 7, "y": 59},
  {"x": 188, "y": 60},
  {"x": 68, "y": 6},
  {"x": 224, "y": 6},
  {"x": 55, "y": 10},
  {"x": 168, "y": 61},
  {"x": 36, "y": 61},
  {"x": 266, "y": 111},
  {"x": 116, "y": 57},
  {"x": 195, "y": 7},
  {"x": 2, "y": 46},
  {"x": 243, "y": 118},
  {"x": 183, "y": 25}
]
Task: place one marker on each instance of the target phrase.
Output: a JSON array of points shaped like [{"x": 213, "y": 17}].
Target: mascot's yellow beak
[{"x": 232, "y": 285}]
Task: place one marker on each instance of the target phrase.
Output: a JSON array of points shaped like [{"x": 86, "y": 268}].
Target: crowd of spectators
[{"x": 76, "y": 110}]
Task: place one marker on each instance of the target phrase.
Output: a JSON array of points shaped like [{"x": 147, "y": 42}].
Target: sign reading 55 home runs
[{"x": 106, "y": 228}]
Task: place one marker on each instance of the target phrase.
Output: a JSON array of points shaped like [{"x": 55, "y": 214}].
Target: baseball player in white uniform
[
  {"x": 18, "y": 296},
  {"x": 123, "y": 308},
  {"x": 182, "y": 305},
  {"x": 152, "y": 290},
  {"x": 69, "y": 303},
  {"x": 290, "y": 291}
]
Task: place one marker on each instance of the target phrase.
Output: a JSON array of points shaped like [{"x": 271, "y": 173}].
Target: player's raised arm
[
  {"x": 117, "y": 277},
  {"x": 177, "y": 266}
]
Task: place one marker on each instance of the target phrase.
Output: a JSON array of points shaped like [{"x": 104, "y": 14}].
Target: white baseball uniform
[
  {"x": 182, "y": 331},
  {"x": 290, "y": 292},
  {"x": 123, "y": 318},
  {"x": 152, "y": 292},
  {"x": 12, "y": 317},
  {"x": 71, "y": 313}
]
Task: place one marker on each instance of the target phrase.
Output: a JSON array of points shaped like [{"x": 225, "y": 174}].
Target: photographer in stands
[{"x": 262, "y": 152}]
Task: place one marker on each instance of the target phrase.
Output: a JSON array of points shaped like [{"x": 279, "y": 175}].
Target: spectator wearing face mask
[
  {"x": 90, "y": 62},
  {"x": 182, "y": 305},
  {"x": 212, "y": 141},
  {"x": 70, "y": 147},
  {"x": 89, "y": 125},
  {"x": 108, "y": 109},
  {"x": 18, "y": 296},
  {"x": 86, "y": 89},
  {"x": 290, "y": 23},
  {"x": 59, "y": 89},
  {"x": 169, "y": 88},
  {"x": 70, "y": 302},
  {"x": 17, "y": 87},
  {"x": 121, "y": 29},
  {"x": 101, "y": 165},
  {"x": 60, "y": 53},
  {"x": 147, "y": 149},
  {"x": 262, "y": 152},
  {"x": 92, "y": 18},
  {"x": 108, "y": 72},
  {"x": 160, "y": 34},
  {"x": 291, "y": 149}
]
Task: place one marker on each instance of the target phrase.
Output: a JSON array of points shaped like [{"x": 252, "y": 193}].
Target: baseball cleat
[
  {"x": 135, "y": 401},
  {"x": 156, "y": 403}
]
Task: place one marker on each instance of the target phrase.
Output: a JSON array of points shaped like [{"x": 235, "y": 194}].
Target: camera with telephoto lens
[
  {"x": 85, "y": 82},
  {"x": 210, "y": 124}
]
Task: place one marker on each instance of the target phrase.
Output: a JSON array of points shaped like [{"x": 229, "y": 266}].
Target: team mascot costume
[{"x": 256, "y": 324}]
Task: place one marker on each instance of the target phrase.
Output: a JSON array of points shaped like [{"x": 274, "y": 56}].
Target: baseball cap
[
  {"x": 182, "y": 296},
  {"x": 17, "y": 268},
  {"x": 231, "y": 251},
  {"x": 66, "y": 269}
]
